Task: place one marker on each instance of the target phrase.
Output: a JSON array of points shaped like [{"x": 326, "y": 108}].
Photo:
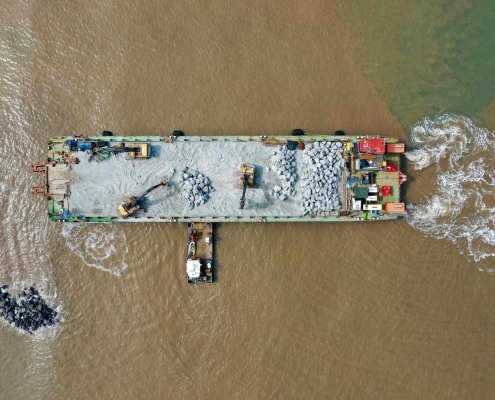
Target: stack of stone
[
  {"x": 28, "y": 311},
  {"x": 195, "y": 187},
  {"x": 322, "y": 171},
  {"x": 285, "y": 165}
]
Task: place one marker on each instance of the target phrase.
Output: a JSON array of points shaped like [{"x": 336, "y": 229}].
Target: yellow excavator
[
  {"x": 132, "y": 203},
  {"x": 246, "y": 180}
]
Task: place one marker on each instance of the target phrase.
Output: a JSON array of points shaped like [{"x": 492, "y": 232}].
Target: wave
[
  {"x": 96, "y": 246},
  {"x": 462, "y": 208}
]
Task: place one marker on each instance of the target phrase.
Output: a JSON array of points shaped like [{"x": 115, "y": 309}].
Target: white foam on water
[
  {"x": 96, "y": 246},
  {"x": 462, "y": 208}
]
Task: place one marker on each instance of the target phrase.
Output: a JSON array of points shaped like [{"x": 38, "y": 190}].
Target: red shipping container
[
  {"x": 396, "y": 148},
  {"x": 372, "y": 146}
]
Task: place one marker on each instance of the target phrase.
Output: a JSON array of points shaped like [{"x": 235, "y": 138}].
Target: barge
[
  {"x": 199, "y": 265},
  {"x": 208, "y": 179}
]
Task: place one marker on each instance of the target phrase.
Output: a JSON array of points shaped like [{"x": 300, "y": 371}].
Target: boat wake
[
  {"x": 96, "y": 246},
  {"x": 462, "y": 209}
]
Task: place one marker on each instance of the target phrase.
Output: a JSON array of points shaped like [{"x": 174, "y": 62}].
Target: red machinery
[{"x": 386, "y": 190}]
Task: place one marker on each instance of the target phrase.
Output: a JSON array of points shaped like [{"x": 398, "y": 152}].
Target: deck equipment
[
  {"x": 132, "y": 203},
  {"x": 246, "y": 180}
]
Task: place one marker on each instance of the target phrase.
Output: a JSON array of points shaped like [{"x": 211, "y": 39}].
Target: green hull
[{"x": 59, "y": 152}]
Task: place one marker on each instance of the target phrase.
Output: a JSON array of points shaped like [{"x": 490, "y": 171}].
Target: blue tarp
[
  {"x": 65, "y": 215},
  {"x": 81, "y": 145},
  {"x": 84, "y": 145}
]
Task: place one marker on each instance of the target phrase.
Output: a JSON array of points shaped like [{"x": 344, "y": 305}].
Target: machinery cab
[
  {"x": 139, "y": 150},
  {"x": 128, "y": 207},
  {"x": 247, "y": 175}
]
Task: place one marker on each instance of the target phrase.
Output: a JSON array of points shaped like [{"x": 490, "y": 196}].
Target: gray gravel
[{"x": 97, "y": 187}]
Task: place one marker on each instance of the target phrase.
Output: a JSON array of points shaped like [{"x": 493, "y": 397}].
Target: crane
[{"x": 132, "y": 203}]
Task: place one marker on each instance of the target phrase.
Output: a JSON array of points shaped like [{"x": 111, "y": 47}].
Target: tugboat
[{"x": 199, "y": 265}]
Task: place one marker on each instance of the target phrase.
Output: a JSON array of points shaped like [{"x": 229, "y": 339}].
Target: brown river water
[{"x": 300, "y": 311}]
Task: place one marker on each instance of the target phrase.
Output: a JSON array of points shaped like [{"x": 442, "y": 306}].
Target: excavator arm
[
  {"x": 142, "y": 195},
  {"x": 244, "y": 187}
]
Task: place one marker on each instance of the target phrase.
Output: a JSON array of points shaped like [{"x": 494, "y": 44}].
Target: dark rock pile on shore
[{"x": 28, "y": 311}]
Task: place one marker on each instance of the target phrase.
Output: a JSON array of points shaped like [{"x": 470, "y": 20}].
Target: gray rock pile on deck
[
  {"x": 322, "y": 170},
  {"x": 28, "y": 311},
  {"x": 285, "y": 165},
  {"x": 196, "y": 188}
]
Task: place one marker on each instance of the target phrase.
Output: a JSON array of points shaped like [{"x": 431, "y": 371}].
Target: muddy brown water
[{"x": 300, "y": 311}]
